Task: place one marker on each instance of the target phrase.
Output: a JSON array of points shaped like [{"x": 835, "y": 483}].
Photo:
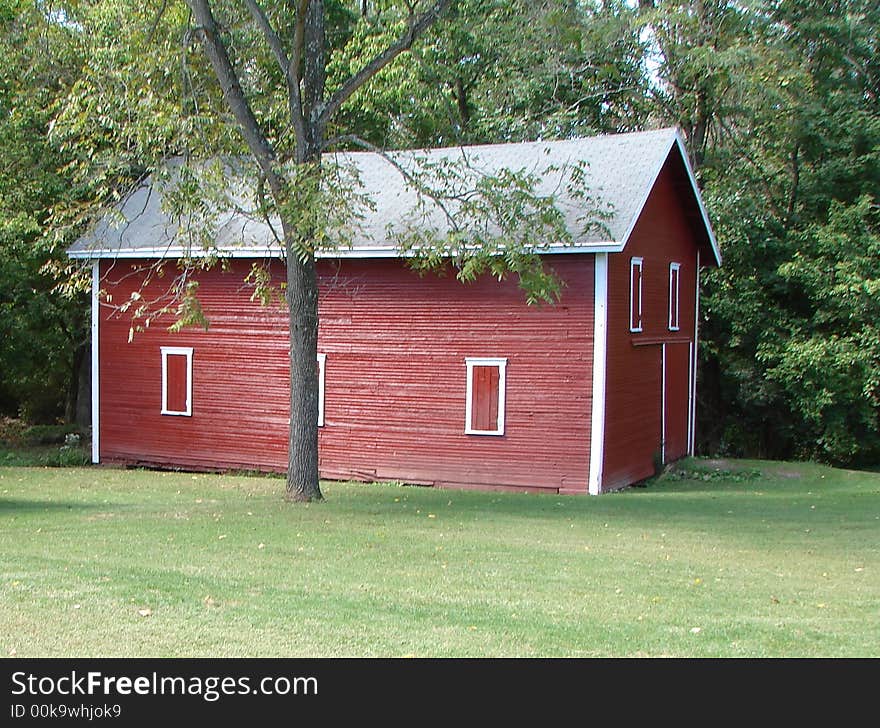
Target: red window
[
  {"x": 674, "y": 274},
  {"x": 635, "y": 294},
  {"x": 485, "y": 396},
  {"x": 176, "y": 380}
]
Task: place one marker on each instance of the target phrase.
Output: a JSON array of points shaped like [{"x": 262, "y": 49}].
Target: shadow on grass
[{"x": 17, "y": 505}]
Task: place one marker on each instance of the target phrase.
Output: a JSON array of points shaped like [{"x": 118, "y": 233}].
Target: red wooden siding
[
  {"x": 633, "y": 427},
  {"x": 677, "y": 400},
  {"x": 484, "y": 414},
  {"x": 175, "y": 382},
  {"x": 395, "y": 378}
]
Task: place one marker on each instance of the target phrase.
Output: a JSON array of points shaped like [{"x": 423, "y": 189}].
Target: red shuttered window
[
  {"x": 177, "y": 380},
  {"x": 635, "y": 294},
  {"x": 674, "y": 274},
  {"x": 486, "y": 384}
]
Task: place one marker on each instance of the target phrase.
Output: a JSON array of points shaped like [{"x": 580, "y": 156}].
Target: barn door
[{"x": 676, "y": 403}]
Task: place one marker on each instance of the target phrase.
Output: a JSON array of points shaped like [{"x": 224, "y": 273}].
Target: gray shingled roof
[{"x": 620, "y": 171}]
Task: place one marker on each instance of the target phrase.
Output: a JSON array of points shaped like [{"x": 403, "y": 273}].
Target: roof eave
[
  {"x": 713, "y": 242},
  {"x": 361, "y": 252},
  {"x": 677, "y": 142}
]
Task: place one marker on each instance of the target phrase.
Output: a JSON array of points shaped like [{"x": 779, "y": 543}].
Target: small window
[
  {"x": 674, "y": 273},
  {"x": 484, "y": 408},
  {"x": 177, "y": 380},
  {"x": 322, "y": 358},
  {"x": 635, "y": 294}
]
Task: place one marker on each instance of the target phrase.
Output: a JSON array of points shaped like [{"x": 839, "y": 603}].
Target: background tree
[
  {"x": 510, "y": 70},
  {"x": 42, "y": 337},
  {"x": 790, "y": 169},
  {"x": 777, "y": 100}
]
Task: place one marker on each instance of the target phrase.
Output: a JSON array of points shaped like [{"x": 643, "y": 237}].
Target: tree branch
[
  {"x": 226, "y": 75},
  {"x": 418, "y": 185},
  {"x": 298, "y": 36},
  {"x": 416, "y": 26},
  {"x": 262, "y": 21},
  {"x": 289, "y": 70},
  {"x": 314, "y": 73}
]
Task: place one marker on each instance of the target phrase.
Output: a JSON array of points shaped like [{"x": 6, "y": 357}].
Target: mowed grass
[{"x": 773, "y": 560}]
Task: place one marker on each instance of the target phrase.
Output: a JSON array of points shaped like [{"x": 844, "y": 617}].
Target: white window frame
[
  {"x": 322, "y": 360},
  {"x": 633, "y": 264},
  {"x": 675, "y": 268},
  {"x": 186, "y": 351},
  {"x": 470, "y": 363}
]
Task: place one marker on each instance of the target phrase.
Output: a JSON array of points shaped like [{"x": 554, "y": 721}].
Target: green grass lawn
[{"x": 768, "y": 559}]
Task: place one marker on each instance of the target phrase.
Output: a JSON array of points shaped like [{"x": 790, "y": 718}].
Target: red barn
[{"x": 424, "y": 379}]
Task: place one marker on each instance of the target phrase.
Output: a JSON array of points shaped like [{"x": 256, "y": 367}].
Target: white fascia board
[
  {"x": 359, "y": 252},
  {"x": 675, "y": 141},
  {"x": 696, "y": 190},
  {"x": 171, "y": 253}
]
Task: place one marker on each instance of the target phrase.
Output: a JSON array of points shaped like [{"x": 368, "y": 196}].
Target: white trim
[
  {"x": 96, "y": 389},
  {"x": 675, "y": 141},
  {"x": 253, "y": 249},
  {"x": 663, "y": 403},
  {"x": 177, "y": 351},
  {"x": 675, "y": 268},
  {"x": 360, "y": 251},
  {"x": 322, "y": 360},
  {"x": 696, "y": 190},
  {"x": 600, "y": 349},
  {"x": 692, "y": 444},
  {"x": 470, "y": 363},
  {"x": 690, "y": 430},
  {"x": 633, "y": 264}
]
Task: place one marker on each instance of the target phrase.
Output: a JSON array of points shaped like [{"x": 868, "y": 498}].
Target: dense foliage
[
  {"x": 778, "y": 100},
  {"x": 42, "y": 336}
]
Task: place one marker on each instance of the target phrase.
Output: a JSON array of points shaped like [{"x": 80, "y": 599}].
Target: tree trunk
[
  {"x": 302, "y": 307},
  {"x": 461, "y": 101}
]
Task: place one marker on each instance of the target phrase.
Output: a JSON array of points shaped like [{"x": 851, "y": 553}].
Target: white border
[
  {"x": 177, "y": 351},
  {"x": 173, "y": 252},
  {"x": 96, "y": 390},
  {"x": 678, "y": 142},
  {"x": 470, "y": 363},
  {"x": 600, "y": 349},
  {"x": 692, "y": 447},
  {"x": 676, "y": 268},
  {"x": 322, "y": 360},
  {"x": 690, "y": 431},
  {"x": 633, "y": 264},
  {"x": 663, "y": 403}
]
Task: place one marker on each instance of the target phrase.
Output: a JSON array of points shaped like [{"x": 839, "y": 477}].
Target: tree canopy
[{"x": 778, "y": 100}]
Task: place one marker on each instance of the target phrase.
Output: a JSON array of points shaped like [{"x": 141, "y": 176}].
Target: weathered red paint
[
  {"x": 395, "y": 378},
  {"x": 395, "y": 371},
  {"x": 634, "y": 436},
  {"x": 677, "y": 400}
]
